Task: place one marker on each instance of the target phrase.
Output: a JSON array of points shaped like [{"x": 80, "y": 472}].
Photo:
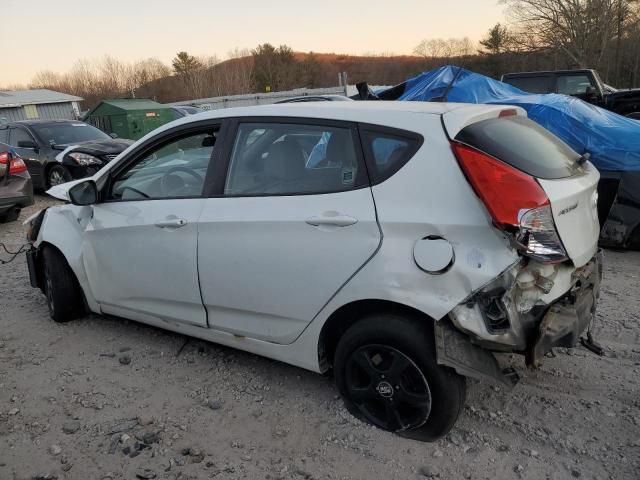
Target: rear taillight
[
  {"x": 16, "y": 164},
  {"x": 516, "y": 202}
]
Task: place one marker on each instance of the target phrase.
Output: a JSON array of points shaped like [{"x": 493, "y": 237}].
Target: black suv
[
  {"x": 40, "y": 142},
  {"x": 584, "y": 84}
]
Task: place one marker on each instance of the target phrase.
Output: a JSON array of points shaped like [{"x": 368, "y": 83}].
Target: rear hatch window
[{"x": 524, "y": 145}]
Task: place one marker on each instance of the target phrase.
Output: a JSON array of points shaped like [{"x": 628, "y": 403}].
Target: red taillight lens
[
  {"x": 504, "y": 190},
  {"x": 16, "y": 164}
]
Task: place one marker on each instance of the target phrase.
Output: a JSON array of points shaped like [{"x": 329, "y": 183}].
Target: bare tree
[
  {"x": 432, "y": 48},
  {"x": 581, "y": 28}
]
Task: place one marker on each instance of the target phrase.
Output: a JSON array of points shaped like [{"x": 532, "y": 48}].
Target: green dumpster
[{"x": 130, "y": 118}]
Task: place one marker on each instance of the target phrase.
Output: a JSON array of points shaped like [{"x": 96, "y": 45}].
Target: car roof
[
  {"x": 360, "y": 111},
  {"x": 394, "y": 114}
]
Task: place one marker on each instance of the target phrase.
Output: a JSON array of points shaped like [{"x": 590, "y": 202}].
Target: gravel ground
[{"x": 105, "y": 398}]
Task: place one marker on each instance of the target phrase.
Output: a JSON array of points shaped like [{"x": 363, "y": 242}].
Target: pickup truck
[{"x": 584, "y": 84}]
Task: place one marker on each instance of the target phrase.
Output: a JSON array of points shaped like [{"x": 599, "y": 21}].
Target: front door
[
  {"x": 141, "y": 244},
  {"x": 294, "y": 222}
]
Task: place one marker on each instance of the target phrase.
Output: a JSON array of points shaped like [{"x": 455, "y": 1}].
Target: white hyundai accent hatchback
[{"x": 400, "y": 244}]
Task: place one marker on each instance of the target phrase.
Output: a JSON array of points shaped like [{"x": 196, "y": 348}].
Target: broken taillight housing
[
  {"x": 538, "y": 235},
  {"x": 516, "y": 202}
]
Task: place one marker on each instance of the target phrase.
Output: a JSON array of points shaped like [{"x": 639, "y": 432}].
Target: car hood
[{"x": 99, "y": 147}]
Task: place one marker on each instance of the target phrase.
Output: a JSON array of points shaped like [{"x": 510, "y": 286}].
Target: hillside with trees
[{"x": 550, "y": 34}]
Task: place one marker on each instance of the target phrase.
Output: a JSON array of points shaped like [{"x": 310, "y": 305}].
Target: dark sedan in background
[
  {"x": 16, "y": 189},
  {"x": 40, "y": 142}
]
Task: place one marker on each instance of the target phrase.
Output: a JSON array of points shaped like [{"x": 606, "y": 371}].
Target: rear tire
[
  {"x": 57, "y": 175},
  {"x": 63, "y": 292},
  {"x": 386, "y": 372}
]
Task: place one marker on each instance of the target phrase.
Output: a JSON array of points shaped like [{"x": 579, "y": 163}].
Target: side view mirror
[
  {"x": 113, "y": 135},
  {"x": 27, "y": 144},
  {"x": 591, "y": 92},
  {"x": 84, "y": 193}
]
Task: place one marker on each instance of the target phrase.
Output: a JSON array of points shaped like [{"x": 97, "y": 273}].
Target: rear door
[{"x": 290, "y": 224}]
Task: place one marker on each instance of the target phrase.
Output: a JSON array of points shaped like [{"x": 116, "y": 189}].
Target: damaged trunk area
[{"x": 529, "y": 309}]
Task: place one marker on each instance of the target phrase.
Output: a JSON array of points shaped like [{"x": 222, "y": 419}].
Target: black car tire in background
[
  {"x": 634, "y": 115},
  {"x": 10, "y": 216},
  {"x": 56, "y": 175}
]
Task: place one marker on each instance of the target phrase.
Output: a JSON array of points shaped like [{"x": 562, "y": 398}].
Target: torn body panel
[
  {"x": 63, "y": 226},
  {"x": 531, "y": 308},
  {"x": 455, "y": 350}
]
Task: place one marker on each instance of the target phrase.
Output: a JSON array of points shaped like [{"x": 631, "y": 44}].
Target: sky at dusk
[{"x": 52, "y": 35}]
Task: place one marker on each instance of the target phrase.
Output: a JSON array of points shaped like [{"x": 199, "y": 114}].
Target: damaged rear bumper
[{"x": 522, "y": 311}]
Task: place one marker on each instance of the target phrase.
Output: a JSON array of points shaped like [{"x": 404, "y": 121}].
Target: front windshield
[{"x": 68, "y": 133}]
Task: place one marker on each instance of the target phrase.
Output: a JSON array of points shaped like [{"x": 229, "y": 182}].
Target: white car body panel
[
  {"x": 574, "y": 203},
  {"x": 407, "y": 213},
  {"x": 265, "y": 273},
  {"x": 456, "y": 120},
  {"x": 135, "y": 267},
  {"x": 258, "y": 296},
  {"x": 64, "y": 227}
]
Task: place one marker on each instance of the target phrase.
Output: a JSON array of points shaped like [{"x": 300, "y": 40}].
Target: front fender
[{"x": 64, "y": 227}]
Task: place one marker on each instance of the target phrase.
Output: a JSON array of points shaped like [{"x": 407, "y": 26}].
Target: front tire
[
  {"x": 387, "y": 375},
  {"x": 57, "y": 175},
  {"x": 63, "y": 292}
]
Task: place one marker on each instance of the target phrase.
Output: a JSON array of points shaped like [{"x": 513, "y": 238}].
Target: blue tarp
[{"x": 612, "y": 140}]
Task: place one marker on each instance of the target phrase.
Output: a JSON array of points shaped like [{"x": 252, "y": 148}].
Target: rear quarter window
[
  {"x": 388, "y": 150},
  {"x": 523, "y": 144}
]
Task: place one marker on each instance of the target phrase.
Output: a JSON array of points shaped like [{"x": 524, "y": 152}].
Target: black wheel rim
[{"x": 387, "y": 387}]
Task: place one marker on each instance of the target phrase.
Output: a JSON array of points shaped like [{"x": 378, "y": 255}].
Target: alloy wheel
[
  {"x": 388, "y": 388},
  {"x": 55, "y": 178}
]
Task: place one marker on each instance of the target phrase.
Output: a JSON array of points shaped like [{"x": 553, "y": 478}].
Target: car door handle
[
  {"x": 171, "y": 223},
  {"x": 335, "y": 220}
]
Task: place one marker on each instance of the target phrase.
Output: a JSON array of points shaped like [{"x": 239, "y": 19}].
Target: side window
[
  {"x": 287, "y": 159},
  {"x": 387, "y": 151},
  {"x": 18, "y": 135},
  {"x": 573, "y": 84},
  {"x": 535, "y": 84},
  {"x": 174, "y": 169}
]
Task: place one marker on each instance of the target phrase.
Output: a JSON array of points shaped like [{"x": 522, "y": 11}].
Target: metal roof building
[{"x": 39, "y": 103}]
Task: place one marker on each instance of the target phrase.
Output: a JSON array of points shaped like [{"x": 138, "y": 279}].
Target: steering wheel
[{"x": 165, "y": 183}]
